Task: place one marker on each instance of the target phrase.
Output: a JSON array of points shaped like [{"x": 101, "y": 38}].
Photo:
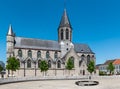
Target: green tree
[
  {"x": 1, "y": 68},
  {"x": 110, "y": 67},
  {"x": 43, "y": 67},
  {"x": 12, "y": 64},
  {"x": 70, "y": 64},
  {"x": 91, "y": 67}
]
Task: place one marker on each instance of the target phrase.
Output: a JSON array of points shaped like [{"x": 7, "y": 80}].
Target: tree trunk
[
  {"x": 90, "y": 76},
  {"x": 69, "y": 72},
  {"x": 43, "y": 73},
  {"x": 12, "y": 72}
]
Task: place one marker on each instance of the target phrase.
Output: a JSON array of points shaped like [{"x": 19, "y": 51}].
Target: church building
[{"x": 30, "y": 52}]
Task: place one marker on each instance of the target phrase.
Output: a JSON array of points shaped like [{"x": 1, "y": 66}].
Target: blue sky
[{"x": 94, "y": 22}]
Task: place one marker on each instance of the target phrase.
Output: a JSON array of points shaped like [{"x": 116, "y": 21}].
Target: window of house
[
  {"x": 61, "y": 34},
  {"x": 56, "y": 55},
  {"x": 67, "y": 34},
  {"x": 47, "y": 54},
  {"x": 28, "y": 63},
  {"x": 88, "y": 59},
  {"x": 38, "y": 54},
  {"x": 30, "y": 53},
  {"x": 49, "y": 64},
  {"x": 39, "y": 61},
  {"x": 19, "y": 62},
  {"x": 82, "y": 57},
  {"x": 58, "y": 64},
  {"x": 67, "y": 49},
  {"x": 72, "y": 59},
  {"x": 79, "y": 63},
  {"x": 20, "y": 53}
]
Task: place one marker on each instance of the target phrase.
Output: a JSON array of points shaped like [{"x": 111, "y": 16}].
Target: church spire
[
  {"x": 65, "y": 20},
  {"x": 10, "y": 31}
]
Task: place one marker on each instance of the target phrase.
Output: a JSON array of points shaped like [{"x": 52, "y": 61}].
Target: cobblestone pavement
[{"x": 106, "y": 83}]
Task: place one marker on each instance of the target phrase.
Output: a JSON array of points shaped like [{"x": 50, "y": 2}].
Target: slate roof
[
  {"x": 36, "y": 43},
  {"x": 21, "y": 42},
  {"x": 108, "y": 61},
  {"x": 65, "y": 20},
  {"x": 2, "y": 64},
  {"x": 82, "y": 48}
]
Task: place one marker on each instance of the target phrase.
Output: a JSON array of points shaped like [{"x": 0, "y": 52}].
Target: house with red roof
[{"x": 115, "y": 62}]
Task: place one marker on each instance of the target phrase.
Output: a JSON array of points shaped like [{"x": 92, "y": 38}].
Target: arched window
[
  {"x": 56, "y": 55},
  {"x": 30, "y": 53},
  {"x": 70, "y": 35},
  {"x": 93, "y": 57},
  {"x": 28, "y": 63},
  {"x": 19, "y": 62},
  {"x": 61, "y": 34},
  {"x": 88, "y": 59},
  {"x": 58, "y": 64},
  {"x": 80, "y": 63},
  {"x": 38, "y": 54},
  {"x": 39, "y": 61},
  {"x": 72, "y": 59},
  {"x": 67, "y": 34},
  {"x": 20, "y": 53},
  {"x": 82, "y": 57},
  {"x": 49, "y": 64},
  {"x": 47, "y": 54}
]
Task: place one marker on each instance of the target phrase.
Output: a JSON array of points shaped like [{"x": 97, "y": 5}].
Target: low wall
[
  {"x": 44, "y": 78},
  {"x": 50, "y": 72}
]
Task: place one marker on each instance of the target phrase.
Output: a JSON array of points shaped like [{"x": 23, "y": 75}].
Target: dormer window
[{"x": 82, "y": 50}]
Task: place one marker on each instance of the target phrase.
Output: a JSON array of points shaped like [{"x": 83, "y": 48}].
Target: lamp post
[
  {"x": 35, "y": 67},
  {"x": 55, "y": 69},
  {"x": 24, "y": 70},
  {"x": 23, "y": 61},
  {"x": 55, "y": 66}
]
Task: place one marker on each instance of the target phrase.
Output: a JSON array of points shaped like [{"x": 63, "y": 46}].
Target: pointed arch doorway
[{"x": 83, "y": 72}]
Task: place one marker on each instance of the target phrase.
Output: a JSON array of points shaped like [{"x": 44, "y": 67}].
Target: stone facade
[{"x": 30, "y": 52}]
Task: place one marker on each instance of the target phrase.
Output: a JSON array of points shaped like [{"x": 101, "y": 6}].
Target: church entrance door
[{"x": 83, "y": 72}]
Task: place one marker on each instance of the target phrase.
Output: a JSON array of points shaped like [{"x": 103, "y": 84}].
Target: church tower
[
  {"x": 10, "y": 42},
  {"x": 65, "y": 34}
]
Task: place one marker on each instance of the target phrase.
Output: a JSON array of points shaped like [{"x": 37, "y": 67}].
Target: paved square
[{"x": 106, "y": 83}]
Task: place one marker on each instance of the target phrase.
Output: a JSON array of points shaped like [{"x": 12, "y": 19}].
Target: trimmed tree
[
  {"x": 12, "y": 64},
  {"x": 91, "y": 67},
  {"x": 69, "y": 65},
  {"x": 110, "y": 67},
  {"x": 43, "y": 67},
  {"x": 1, "y": 68}
]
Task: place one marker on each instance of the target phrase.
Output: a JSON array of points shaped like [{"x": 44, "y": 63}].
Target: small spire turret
[{"x": 10, "y": 31}]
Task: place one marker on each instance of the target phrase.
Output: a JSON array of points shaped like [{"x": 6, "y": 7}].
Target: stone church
[{"x": 30, "y": 52}]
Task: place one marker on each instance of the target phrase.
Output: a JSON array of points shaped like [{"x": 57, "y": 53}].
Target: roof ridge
[
  {"x": 80, "y": 43},
  {"x": 36, "y": 39}
]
